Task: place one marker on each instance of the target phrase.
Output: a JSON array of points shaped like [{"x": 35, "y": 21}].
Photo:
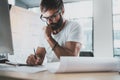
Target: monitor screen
[{"x": 6, "y": 45}]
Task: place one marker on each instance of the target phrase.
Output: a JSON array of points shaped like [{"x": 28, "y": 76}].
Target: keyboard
[{"x": 3, "y": 60}]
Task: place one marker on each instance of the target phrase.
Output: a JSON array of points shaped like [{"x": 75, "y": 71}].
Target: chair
[{"x": 86, "y": 54}]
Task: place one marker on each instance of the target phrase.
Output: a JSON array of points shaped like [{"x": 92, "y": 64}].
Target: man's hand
[
  {"x": 32, "y": 60},
  {"x": 48, "y": 31}
]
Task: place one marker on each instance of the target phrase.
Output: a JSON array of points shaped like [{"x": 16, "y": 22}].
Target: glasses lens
[
  {"x": 53, "y": 17},
  {"x": 43, "y": 19}
]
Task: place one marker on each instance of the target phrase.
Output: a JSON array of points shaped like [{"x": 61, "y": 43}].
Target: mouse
[{"x": 3, "y": 60}]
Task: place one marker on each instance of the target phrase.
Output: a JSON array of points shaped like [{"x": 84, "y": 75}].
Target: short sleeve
[{"x": 75, "y": 33}]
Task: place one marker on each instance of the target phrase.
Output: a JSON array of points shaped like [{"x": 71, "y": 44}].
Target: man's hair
[{"x": 51, "y": 5}]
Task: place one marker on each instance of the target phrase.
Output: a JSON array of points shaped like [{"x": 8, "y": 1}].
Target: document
[
  {"x": 28, "y": 69},
  {"x": 24, "y": 69},
  {"x": 84, "y": 64}
]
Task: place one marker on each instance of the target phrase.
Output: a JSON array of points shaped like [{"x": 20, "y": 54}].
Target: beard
[{"x": 57, "y": 25}]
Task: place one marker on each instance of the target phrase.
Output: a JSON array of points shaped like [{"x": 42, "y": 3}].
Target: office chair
[{"x": 86, "y": 54}]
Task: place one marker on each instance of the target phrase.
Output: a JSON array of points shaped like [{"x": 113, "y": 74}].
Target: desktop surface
[{"x": 45, "y": 75}]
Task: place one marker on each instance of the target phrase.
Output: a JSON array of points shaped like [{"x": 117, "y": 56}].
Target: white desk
[{"x": 45, "y": 75}]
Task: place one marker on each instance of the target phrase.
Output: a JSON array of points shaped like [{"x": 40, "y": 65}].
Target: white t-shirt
[{"x": 71, "y": 32}]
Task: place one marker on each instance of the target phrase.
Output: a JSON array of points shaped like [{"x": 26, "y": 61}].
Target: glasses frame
[{"x": 53, "y": 17}]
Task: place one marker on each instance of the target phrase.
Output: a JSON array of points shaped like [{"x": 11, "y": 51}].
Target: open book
[{"x": 84, "y": 64}]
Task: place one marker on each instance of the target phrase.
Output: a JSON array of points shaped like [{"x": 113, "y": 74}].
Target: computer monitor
[{"x": 6, "y": 45}]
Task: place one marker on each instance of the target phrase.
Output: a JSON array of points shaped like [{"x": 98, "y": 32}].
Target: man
[{"x": 60, "y": 38}]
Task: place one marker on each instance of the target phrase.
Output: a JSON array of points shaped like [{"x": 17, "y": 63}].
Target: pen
[
  {"x": 11, "y": 63},
  {"x": 35, "y": 54}
]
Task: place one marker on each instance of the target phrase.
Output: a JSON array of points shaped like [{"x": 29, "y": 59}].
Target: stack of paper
[{"x": 84, "y": 64}]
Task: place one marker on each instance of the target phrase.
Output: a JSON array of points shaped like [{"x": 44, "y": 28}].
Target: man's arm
[
  {"x": 40, "y": 52},
  {"x": 70, "y": 49}
]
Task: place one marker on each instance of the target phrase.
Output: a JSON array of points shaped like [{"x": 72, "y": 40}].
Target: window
[
  {"x": 116, "y": 27},
  {"x": 25, "y": 26},
  {"x": 26, "y": 36},
  {"x": 82, "y": 12}
]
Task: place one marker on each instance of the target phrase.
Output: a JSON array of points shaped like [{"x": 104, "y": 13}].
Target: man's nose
[{"x": 49, "y": 21}]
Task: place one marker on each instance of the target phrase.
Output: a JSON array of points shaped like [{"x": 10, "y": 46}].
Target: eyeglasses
[{"x": 53, "y": 17}]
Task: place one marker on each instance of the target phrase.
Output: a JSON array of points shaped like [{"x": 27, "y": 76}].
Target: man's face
[{"x": 53, "y": 18}]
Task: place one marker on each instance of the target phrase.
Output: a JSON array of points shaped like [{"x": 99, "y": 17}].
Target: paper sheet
[
  {"x": 84, "y": 64},
  {"x": 25, "y": 69}
]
